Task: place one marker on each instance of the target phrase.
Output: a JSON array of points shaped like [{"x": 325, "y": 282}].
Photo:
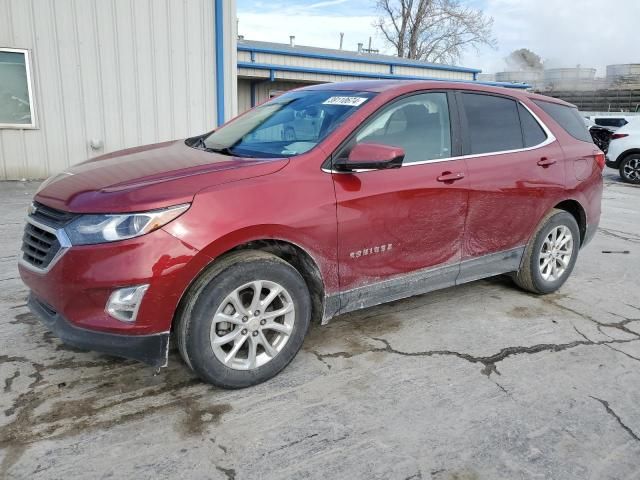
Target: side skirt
[{"x": 422, "y": 281}]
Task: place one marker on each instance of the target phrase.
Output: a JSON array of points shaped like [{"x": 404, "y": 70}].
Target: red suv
[{"x": 324, "y": 200}]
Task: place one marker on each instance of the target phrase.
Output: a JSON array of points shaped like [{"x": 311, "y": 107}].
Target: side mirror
[{"x": 372, "y": 156}]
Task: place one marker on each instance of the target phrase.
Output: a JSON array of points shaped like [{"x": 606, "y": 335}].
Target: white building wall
[{"x": 115, "y": 73}]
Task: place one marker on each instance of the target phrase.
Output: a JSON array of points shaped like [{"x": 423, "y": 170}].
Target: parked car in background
[
  {"x": 322, "y": 201},
  {"x": 624, "y": 152},
  {"x": 601, "y": 135}
]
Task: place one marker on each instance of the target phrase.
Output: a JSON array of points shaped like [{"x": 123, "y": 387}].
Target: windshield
[{"x": 286, "y": 126}]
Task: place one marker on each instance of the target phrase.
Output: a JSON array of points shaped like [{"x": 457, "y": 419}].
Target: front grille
[
  {"x": 51, "y": 216},
  {"x": 39, "y": 246}
]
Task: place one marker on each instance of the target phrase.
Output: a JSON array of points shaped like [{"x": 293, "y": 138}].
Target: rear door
[
  {"x": 400, "y": 231},
  {"x": 515, "y": 170}
]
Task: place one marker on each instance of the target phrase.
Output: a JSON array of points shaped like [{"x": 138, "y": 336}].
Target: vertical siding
[
  {"x": 117, "y": 72},
  {"x": 244, "y": 95}
]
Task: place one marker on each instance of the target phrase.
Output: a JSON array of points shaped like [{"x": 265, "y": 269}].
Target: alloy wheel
[
  {"x": 631, "y": 170},
  {"x": 555, "y": 253},
  {"x": 252, "y": 325}
]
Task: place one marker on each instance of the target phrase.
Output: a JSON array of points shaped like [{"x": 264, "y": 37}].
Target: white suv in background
[{"x": 624, "y": 151}]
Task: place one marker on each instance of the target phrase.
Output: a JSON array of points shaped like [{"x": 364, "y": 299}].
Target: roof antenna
[{"x": 341, "y": 38}]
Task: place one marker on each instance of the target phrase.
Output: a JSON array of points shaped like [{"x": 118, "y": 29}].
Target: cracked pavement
[{"x": 481, "y": 381}]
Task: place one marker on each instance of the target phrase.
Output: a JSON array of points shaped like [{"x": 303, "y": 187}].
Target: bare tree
[{"x": 433, "y": 30}]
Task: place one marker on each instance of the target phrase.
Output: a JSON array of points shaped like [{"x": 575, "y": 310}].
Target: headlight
[{"x": 91, "y": 229}]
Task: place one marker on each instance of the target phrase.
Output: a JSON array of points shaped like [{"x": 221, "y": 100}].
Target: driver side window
[{"x": 419, "y": 124}]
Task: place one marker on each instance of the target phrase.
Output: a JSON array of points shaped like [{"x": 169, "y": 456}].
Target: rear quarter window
[
  {"x": 568, "y": 118},
  {"x": 531, "y": 130}
]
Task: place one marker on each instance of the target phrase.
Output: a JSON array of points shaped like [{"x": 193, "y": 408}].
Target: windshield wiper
[
  {"x": 229, "y": 151},
  {"x": 223, "y": 151}
]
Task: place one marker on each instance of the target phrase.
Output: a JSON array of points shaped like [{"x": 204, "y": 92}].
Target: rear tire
[
  {"x": 550, "y": 255},
  {"x": 234, "y": 339},
  {"x": 630, "y": 168}
]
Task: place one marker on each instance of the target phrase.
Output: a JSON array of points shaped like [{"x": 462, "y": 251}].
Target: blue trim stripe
[
  {"x": 320, "y": 71},
  {"x": 219, "y": 44},
  {"x": 328, "y": 56}
]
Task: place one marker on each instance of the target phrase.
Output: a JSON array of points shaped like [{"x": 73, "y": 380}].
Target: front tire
[
  {"x": 630, "y": 168},
  {"x": 550, "y": 255},
  {"x": 244, "y": 320}
]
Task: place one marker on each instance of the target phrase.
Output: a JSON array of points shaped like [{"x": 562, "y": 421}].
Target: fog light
[{"x": 123, "y": 304}]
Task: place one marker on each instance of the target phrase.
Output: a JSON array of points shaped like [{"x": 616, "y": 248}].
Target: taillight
[
  {"x": 599, "y": 157},
  {"x": 619, "y": 135}
]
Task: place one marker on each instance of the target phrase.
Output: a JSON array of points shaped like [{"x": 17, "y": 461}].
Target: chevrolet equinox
[{"x": 324, "y": 200}]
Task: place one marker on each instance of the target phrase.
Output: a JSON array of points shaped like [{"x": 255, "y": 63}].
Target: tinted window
[
  {"x": 531, "y": 130},
  {"x": 611, "y": 122},
  {"x": 493, "y": 123},
  {"x": 418, "y": 124},
  {"x": 568, "y": 118}
]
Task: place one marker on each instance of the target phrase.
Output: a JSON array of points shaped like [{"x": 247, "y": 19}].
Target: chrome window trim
[
  {"x": 63, "y": 240},
  {"x": 549, "y": 140}
]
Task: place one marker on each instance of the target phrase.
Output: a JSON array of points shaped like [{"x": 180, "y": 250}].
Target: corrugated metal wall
[
  {"x": 348, "y": 66},
  {"x": 263, "y": 90},
  {"x": 117, "y": 72}
]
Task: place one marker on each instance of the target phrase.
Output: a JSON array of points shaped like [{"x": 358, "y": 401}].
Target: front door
[{"x": 400, "y": 230}]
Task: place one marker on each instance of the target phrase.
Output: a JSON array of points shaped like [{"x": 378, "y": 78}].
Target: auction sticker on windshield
[{"x": 348, "y": 101}]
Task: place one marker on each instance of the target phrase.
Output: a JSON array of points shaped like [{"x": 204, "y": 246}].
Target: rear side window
[
  {"x": 568, "y": 118},
  {"x": 531, "y": 130},
  {"x": 493, "y": 123}
]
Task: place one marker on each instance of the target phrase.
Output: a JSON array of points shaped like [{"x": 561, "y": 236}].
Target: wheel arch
[
  {"x": 578, "y": 212},
  {"x": 626, "y": 153},
  {"x": 303, "y": 261}
]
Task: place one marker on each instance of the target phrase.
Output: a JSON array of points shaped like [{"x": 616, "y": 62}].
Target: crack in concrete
[
  {"x": 8, "y": 278},
  {"x": 628, "y": 237},
  {"x": 610, "y": 411},
  {"x": 624, "y": 353},
  {"x": 621, "y": 325},
  {"x": 8, "y": 382},
  {"x": 230, "y": 473},
  {"x": 489, "y": 362}
]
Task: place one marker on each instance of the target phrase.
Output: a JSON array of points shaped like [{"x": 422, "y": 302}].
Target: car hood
[{"x": 147, "y": 177}]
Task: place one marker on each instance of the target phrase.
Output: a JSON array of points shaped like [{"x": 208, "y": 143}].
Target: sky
[{"x": 565, "y": 33}]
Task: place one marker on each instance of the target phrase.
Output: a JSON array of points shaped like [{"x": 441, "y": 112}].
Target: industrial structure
[
  {"x": 82, "y": 78},
  {"x": 618, "y": 91}
]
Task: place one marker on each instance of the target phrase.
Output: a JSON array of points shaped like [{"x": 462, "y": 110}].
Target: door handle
[
  {"x": 449, "y": 177},
  {"x": 545, "y": 162}
]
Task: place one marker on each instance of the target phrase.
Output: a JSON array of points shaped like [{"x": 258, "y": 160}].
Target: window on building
[
  {"x": 568, "y": 118},
  {"x": 493, "y": 123},
  {"x": 531, "y": 130},
  {"x": 16, "y": 104},
  {"x": 418, "y": 124}
]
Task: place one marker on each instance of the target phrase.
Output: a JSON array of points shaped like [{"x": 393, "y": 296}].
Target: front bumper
[
  {"x": 150, "y": 349},
  {"x": 78, "y": 286}
]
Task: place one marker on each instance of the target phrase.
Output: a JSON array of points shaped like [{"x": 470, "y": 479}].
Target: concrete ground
[{"x": 481, "y": 381}]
